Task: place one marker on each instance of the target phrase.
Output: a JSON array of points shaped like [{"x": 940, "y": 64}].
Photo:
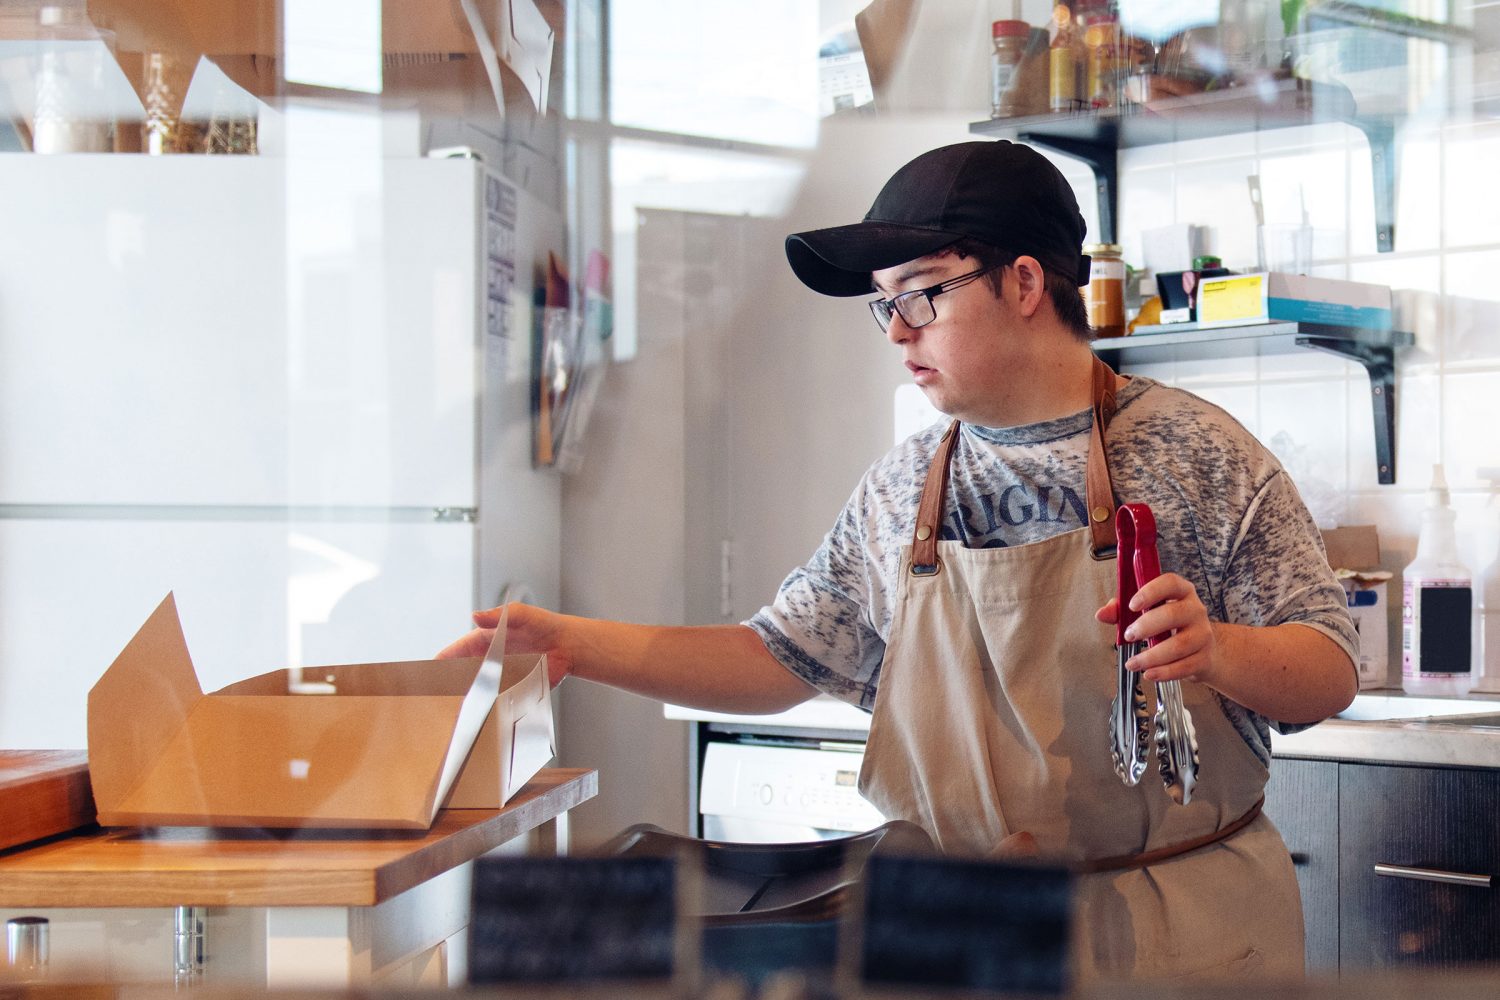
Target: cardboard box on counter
[
  {"x": 370, "y": 745},
  {"x": 1235, "y": 299},
  {"x": 1354, "y": 554}
]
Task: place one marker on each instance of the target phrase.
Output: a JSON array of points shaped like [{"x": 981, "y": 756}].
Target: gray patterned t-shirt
[{"x": 1228, "y": 519}]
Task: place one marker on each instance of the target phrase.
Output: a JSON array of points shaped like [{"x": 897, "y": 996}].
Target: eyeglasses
[{"x": 915, "y": 307}]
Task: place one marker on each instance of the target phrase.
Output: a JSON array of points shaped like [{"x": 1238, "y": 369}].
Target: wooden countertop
[
  {"x": 45, "y": 792},
  {"x": 198, "y": 867}
]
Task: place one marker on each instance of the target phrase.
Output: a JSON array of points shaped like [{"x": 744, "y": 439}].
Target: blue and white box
[{"x": 1267, "y": 296}]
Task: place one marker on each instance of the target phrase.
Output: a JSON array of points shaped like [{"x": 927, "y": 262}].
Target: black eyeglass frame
[{"x": 883, "y": 309}]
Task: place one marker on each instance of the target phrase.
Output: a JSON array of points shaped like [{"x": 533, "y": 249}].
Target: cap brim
[{"x": 838, "y": 261}]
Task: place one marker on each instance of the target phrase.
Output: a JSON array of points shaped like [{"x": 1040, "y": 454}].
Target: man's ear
[{"x": 1030, "y": 284}]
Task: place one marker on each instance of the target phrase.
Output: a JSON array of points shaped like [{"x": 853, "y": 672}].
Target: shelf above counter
[
  {"x": 1193, "y": 343},
  {"x": 1096, "y": 136},
  {"x": 1233, "y": 111},
  {"x": 1374, "y": 349}
]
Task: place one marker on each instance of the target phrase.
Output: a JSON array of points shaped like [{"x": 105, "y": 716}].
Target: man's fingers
[
  {"x": 475, "y": 643},
  {"x": 1167, "y": 587},
  {"x": 1161, "y": 620}
]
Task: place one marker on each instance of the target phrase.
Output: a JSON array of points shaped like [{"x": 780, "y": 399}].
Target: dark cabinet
[
  {"x": 1302, "y": 799},
  {"x": 1418, "y": 849},
  {"x": 1397, "y": 864}
]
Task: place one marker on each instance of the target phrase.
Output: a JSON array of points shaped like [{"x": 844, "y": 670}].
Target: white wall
[
  {"x": 623, "y": 557},
  {"x": 1443, "y": 274}
]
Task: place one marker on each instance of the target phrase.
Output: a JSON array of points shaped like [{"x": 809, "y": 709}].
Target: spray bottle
[
  {"x": 1437, "y": 605},
  {"x": 1487, "y": 592}
]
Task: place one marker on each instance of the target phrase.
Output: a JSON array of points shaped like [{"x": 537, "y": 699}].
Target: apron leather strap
[
  {"x": 1098, "y": 490},
  {"x": 924, "y": 560},
  {"x": 1124, "y": 861}
]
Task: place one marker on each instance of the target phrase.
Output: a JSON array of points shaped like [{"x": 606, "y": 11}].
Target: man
[{"x": 980, "y": 639}]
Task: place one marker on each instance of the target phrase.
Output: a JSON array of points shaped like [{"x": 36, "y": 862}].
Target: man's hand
[
  {"x": 1189, "y": 648},
  {"x": 532, "y": 630},
  {"x": 1289, "y": 672}
]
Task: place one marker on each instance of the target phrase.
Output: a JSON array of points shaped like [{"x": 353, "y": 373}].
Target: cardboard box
[
  {"x": 1235, "y": 299},
  {"x": 1354, "y": 554},
  {"x": 370, "y": 745}
]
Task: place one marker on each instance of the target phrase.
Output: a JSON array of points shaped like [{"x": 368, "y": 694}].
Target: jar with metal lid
[
  {"x": 1104, "y": 295},
  {"x": 1010, "y": 39}
]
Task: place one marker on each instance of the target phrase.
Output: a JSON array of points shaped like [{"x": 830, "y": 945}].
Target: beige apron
[{"x": 992, "y": 718}]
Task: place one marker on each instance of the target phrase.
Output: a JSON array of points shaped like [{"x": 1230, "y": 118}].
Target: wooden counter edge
[
  {"x": 43, "y": 793},
  {"x": 458, "y": 836},
  {"x": 530, "y": 808}
]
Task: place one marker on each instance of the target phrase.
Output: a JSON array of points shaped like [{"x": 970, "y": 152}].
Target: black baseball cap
[{"x": 995, "y": 191}]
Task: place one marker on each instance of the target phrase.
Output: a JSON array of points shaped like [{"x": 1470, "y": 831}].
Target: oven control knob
[{"x": 767, "y": 795}]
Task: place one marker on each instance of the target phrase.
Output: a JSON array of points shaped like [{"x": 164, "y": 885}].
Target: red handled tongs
[{"x": 1132, "y": 726}]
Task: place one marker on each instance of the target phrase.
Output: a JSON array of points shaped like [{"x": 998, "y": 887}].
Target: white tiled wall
[{"x": 1314, "y": 409}]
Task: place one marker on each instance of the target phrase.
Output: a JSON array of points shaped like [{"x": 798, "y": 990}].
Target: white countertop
[{"x": 1391, "y": 727}]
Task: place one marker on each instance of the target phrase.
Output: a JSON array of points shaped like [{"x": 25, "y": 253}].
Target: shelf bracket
[
  {"x": 1381, "y": 135},
  {"x": 1102, "y": 158},
  {"x": 1380, "y": 366}
]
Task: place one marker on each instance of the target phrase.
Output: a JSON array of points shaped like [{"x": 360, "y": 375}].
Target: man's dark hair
[{"x": 1061, "y": 289}]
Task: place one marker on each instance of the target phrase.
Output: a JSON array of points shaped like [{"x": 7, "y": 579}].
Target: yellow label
[{"x": 1232, "y": 298}]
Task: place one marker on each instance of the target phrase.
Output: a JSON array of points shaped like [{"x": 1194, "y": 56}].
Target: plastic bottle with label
[
  {"x": 1437, "y": 605},
  {"x": 1009, "y": 39}
]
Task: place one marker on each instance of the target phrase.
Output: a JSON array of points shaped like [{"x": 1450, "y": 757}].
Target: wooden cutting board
[{"x": 43, "y": 793}]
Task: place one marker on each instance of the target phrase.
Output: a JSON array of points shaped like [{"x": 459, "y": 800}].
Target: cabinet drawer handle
[{"x": 1432, "y": 875}]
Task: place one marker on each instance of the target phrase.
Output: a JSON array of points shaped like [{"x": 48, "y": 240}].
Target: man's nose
[{"x": 897, "y": 332}]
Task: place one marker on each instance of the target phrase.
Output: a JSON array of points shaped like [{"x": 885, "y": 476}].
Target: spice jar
[
  {"x": 1104, "y": 295},
  {"x": 1010, "y": 39}
]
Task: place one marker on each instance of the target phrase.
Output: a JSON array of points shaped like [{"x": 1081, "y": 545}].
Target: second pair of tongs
[{"x": 1132, "y": 726}]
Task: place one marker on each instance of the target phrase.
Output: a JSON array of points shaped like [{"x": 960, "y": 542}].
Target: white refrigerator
[{"x": 294, "y": 392}]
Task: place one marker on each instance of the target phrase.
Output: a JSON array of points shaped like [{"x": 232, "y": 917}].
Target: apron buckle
[{"x": 933, "y": 570}]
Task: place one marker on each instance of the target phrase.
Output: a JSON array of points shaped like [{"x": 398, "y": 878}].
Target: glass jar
[
  {"x": 1104, "y": 295},
  {"x": 1010, "y": 39},
  {"x": 1102, "y": 40},
  {"x": 1064, "y": 61}
]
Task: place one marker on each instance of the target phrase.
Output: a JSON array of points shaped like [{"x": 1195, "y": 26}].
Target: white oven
[{"x": 779, "y": 778}]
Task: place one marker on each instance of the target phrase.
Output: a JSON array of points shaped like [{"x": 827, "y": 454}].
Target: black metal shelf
[
  {"x": 1374, "y": 349},
  {"x": 1095, "y": 137}
]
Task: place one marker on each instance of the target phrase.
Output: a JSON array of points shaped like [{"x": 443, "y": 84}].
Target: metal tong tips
[{"x": 1133, "y": 729}]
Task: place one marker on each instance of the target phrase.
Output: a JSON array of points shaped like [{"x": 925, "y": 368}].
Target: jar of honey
[{"x": 1104, "y": 295}]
